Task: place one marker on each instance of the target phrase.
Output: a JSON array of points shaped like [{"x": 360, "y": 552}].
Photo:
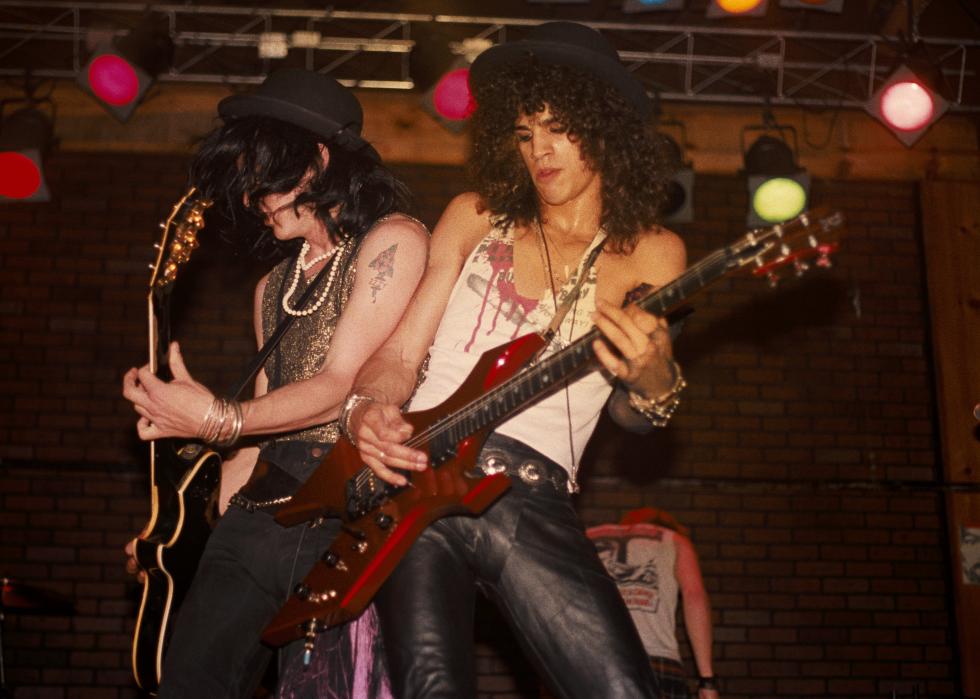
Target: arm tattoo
[{"x": 384, "y": 269}]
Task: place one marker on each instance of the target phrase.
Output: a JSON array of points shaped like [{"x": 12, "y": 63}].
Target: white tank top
[
  {"x": 642, "y": 558},
  {"x": 484, "y": 311}
]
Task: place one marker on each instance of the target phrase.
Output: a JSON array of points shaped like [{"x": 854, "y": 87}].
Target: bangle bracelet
[
  {"x": 708, "y": 683},
  {"x": 350, "y": 405},
  {"x": 659, "y": 411}
]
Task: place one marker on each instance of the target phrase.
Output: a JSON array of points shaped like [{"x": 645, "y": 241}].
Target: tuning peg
[
  {"x": 162, "y": 225},
  {"x": 150, "y": 265},
  {"x": 772, "y": 279},
  {"x": 156, "y": 246},
  {"x": 800, "y": 267}
]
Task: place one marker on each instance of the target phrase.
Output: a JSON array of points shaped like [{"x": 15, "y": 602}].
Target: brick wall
[{"x": 802, "y": 458}]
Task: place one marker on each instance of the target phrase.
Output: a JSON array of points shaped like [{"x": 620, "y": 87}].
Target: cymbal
[{"x": 18, "y": 597}]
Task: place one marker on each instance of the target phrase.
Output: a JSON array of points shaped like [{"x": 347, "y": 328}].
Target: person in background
[{"x": 653, "y": 562}]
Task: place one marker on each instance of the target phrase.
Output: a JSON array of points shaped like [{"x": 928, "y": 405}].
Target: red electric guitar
[
  {"x": 381, "y": 522},
  {"x": 183, "y": 478}
]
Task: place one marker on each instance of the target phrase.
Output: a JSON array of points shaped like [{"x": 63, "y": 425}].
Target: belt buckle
[
  {"x": 530, "y": 472},
  {"x": 493, "y": 462}
]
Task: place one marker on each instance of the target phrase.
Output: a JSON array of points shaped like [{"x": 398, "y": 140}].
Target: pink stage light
[
  {"x": 452, "y": 99},
  {"x": 907, "y": 106},
  {"x": 113, "y": 80}
]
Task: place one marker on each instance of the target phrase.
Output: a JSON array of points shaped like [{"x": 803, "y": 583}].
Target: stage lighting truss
[{"x": 714, "y": 62}]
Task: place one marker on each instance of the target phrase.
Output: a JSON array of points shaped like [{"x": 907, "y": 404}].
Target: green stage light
[
  {"x": 778, "y": 188},
  {"x": 778, "y": 199}
]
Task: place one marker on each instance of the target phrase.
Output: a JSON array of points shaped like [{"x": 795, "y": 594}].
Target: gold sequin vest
[{"x": 303, "y": 349}]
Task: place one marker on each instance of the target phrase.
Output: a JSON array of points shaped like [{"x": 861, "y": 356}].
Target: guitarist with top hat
[
  {"x": 562, "y": 225},
  {"x": 289, "y": 170}
]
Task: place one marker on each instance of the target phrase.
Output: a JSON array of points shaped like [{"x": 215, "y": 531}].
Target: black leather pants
[{"x": 529, "y": 554}]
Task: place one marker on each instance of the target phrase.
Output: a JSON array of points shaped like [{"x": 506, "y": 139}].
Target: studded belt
[{"x": 528, "y": 470}]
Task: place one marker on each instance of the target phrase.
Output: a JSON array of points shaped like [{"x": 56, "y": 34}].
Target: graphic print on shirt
[
  {"x": 499, "y": 294},
  {"x": 629, "y": 563}
]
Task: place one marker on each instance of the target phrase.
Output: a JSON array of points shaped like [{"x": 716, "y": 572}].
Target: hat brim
[
  {"x": 260, "y": 105},
  {"x": 606, "y": 69}
]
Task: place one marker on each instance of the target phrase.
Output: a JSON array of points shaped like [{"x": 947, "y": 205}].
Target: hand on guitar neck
[{"x": 174, "y": 408}]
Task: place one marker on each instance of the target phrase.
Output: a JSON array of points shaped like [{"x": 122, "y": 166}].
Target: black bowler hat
[
  {"x": 568, "y": 44},
  {"x": 311, "y": 100}
]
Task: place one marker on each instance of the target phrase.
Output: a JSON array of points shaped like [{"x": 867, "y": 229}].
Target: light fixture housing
[
  {"x": 634, "y": 6},
  {"x": 778, "y": 188},
  {"x": 119, "y": 72},
  {"x": 833, "y": 6},
  {"x": 449, "y": 100},
  {"x": 907, "y": 103},
  {"x": 679, "y": 200},
  {"x": 25, "y": 137}
]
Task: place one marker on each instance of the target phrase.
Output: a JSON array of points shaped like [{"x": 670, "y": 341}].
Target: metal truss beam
[{"x": 218, "y": 44}]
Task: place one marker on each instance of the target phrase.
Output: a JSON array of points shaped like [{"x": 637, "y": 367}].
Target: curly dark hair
[
  {"x": 615, "y": 142},
  {"x": 249, "y": 158}
]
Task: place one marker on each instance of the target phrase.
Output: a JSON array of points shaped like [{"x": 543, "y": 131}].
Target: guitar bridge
[{"x": 365, "y": 492}]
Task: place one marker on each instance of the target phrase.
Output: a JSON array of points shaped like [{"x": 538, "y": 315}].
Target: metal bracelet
[
  {"x": 350, "y": 405},
  {"x": 659, "y": 410}
]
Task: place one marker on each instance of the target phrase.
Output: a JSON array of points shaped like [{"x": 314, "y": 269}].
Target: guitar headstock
[
  {"x": 810, "y": 238},
  {"x": 179, "y": 238}
]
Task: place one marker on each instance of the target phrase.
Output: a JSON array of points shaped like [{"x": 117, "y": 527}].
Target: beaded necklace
[{"x": 301, "y": 267}]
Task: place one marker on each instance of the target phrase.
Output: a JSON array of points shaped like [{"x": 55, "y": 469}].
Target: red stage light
[
  {"x": 113, "y": 79},
  {"x": 20, "y": 177},
  {"x": 452, "y": 99},
  {"x": 907, "y": 105},
  {"x": 25, "y": 137}
]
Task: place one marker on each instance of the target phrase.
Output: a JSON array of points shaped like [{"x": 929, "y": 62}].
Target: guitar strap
[
  {"x": 274, "y": 339},
  {"x": 570, "y": 298}
]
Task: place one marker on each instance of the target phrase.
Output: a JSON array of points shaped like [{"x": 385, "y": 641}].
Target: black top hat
[
  {"x": 311, "y": 100},
  {"x": 570, "y": 44}
]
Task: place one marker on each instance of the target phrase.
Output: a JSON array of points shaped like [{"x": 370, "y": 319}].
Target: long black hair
[{"x": 249, "y": 158}]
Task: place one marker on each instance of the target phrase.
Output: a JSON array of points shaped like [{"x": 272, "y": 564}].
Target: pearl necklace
[{"x": 301, "y": 267}]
